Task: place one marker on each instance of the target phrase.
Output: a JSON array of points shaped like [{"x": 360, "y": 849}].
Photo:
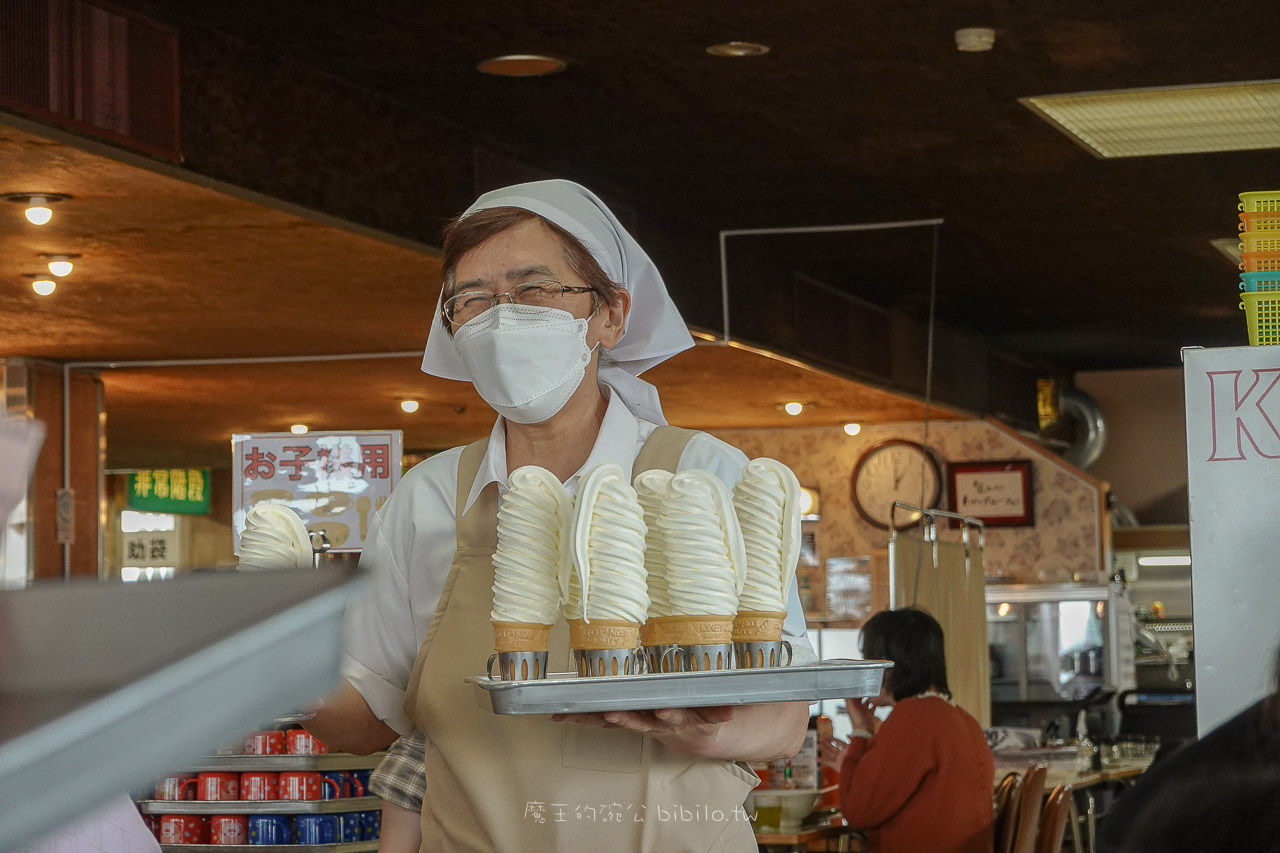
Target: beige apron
[{"x": 517, "y": 783}]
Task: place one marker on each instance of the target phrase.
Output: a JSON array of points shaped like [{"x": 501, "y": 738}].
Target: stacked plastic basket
[{"x": 1260, "y": 260}]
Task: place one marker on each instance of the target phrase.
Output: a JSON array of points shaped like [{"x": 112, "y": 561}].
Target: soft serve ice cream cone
[
  {"x": 607, "y": 592},
  {"x": 705, "y": 568},
  {"x": 766, "y": 500},
  {"x": 530, "y": 570},
  {"x": 651, "y": 490},
  {"x": 274, "y": 537}
]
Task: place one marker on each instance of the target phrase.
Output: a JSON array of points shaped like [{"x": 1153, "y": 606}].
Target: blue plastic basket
[{"x": 1260, "y": 282}]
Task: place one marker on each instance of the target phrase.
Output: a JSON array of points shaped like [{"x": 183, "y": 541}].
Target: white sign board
[
  {"x": 151, "y": 548},
  {"x": 335, "y": 480},
  {"x": 1233, "y": 460}
]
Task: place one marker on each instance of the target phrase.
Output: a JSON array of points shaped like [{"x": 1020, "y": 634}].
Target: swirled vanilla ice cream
[
  {"x": 704, "y": 560},
  {"x": 608, "y": 597},
  {"x": 767, "y": 502},
  {"x": 274, "y": 537},
  {"x": 651, "y": 490},
  {"x": 531, "y": 563}
]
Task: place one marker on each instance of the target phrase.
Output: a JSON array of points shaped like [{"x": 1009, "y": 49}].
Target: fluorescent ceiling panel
[{"x": 1173, "y": 120}]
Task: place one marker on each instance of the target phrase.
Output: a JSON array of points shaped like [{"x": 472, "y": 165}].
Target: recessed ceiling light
[
  {"x": 852, "y": 429},
  {"x": 409, "y": 406},
  {"x": 793, "y": 408},
  {"x": 975, "y": 39},
  {"x": 38, "y": 211},
  {"x": 521, "y": 65},
  {"x": 298, "y": 429},
  {"x": 41, "y": 282},
  {"x": 738, "y": 49},
  {"x": 59, "y": 265},
  {"x": 1170, "y": 120}
]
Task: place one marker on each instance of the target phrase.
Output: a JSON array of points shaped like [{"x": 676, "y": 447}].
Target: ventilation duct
[{"x": 1090, "y": 427}]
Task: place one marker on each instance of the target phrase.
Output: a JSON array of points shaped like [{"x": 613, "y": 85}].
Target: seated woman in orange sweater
[{"x": 921, "y": 780}]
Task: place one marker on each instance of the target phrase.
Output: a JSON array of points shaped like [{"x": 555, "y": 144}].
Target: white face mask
[{"x": 525, "y": 361}]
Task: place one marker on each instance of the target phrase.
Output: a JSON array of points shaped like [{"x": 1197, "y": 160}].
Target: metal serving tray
[
  {"x": 338, "y": 806},
  {"x": 566, "y": 693}
]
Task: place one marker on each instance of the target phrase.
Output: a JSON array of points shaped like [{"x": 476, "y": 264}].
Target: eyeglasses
[{"x": 472, "y": 303}]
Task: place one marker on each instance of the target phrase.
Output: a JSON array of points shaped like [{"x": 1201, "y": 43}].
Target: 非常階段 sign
[
  {"x": 335, "y": 481},
  {"x": 179, "y": 490}
]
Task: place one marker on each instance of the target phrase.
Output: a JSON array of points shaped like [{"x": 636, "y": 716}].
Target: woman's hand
[
  {"x": 832, "y": 751},
  {"x": 690, "y": 730},
  {"x": 862, "y": 714}
]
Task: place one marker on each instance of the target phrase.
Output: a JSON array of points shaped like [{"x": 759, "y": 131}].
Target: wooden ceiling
[
  {"x": 174, "y": 271},
  {"x": 861, "y": 112}
]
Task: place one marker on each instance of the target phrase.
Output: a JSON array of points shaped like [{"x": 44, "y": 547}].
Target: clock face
[{"x": 895, "y": 470}]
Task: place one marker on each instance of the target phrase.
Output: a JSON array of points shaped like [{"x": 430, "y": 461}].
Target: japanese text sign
[
  {"x": 179, "y": 490},
  {"x": 334, "y": 480}
]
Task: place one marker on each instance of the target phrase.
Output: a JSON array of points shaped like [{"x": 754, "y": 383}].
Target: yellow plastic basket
[
  {"x": 1269, "y": 200},
  {"x": 1262, "y": 313},
  {"x": 1260, "y": 241}
]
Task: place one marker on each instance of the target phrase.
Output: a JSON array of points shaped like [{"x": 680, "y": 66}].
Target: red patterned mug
[
  {"x": 264, "y": 743},
  {"x": 229, "y": 829},
  {"x": 215, "y": 786},
  {"x": 304, "y": 785},
  {"x": 259, "y": 785},
  {"x": 302, "y": 742},
  {"x": 169, "y": 787},
  {"x": 184, "y": 829}
]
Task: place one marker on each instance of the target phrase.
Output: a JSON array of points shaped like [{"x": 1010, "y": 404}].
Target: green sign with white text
[{"x": 178, "y": 490}]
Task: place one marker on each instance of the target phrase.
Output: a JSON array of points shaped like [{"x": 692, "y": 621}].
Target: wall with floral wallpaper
[{"x": 1064, "y": 543}]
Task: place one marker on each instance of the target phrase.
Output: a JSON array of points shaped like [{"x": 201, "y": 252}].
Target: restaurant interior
[{"x": 882, "y": 231}]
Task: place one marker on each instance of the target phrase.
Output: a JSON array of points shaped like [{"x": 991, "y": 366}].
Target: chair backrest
[
  {"x": 1053, "y": 820},
  {"x": 1029, "y": 810},
  {"x": 1008, "y": 801}
]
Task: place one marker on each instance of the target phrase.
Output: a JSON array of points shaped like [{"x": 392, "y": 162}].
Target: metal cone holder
[
  {"x": 519, "y": 666},
  {"x": 662, "y": 658},
  {"x": 705, "y": 658},
  {"x": 759, "y": 655},
  {"x": 598, "y": 662}
]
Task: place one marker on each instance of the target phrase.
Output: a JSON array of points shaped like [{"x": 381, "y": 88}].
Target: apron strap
[{"x": 662, "y": 450}]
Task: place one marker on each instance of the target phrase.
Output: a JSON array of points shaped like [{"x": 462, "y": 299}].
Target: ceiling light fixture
[
  {"x": 298, "y": 429},
  {"x": 59, "y": 265},
  {"x": 410, "y": 406},
  {"x": 975, "y": 39},
  {"x": 852, "y": 429},
  {"x": 738, "y": 49},
  {"x": 41, "y": 283},
  {"x": 1169, "y": 120},
  {"x": 38, "y": 204},
  {"x": 521, "y": 65},
  {"x": 793, "y": 409}
]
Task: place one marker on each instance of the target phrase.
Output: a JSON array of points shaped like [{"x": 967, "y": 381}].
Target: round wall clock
[{"x": 895, "y": 470}]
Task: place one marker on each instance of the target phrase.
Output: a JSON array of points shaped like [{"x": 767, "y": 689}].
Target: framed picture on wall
[{"x": 997, "y": 492}]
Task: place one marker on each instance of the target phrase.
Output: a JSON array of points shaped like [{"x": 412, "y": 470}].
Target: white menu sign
[
  {"x": 1233, "y": 456},
  {"x": 335, "y": 480}
]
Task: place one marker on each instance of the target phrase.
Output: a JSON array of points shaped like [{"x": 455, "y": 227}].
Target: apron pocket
[{"x": 606, "y": 750}]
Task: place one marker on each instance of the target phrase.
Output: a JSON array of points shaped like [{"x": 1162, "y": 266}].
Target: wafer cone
[
  {"x": 520, "y": 636},
  {"x": 603, "y": 634},
  {"x": 699, "y": 630},
  {"x": 758, "y": 626}
]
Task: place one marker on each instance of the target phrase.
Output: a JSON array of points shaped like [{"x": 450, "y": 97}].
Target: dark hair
[
  {"x": 468, "y": 232},
  {"x": 912, "y": 639}
]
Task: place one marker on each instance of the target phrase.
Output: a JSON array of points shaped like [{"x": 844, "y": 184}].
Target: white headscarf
[{"x": 654, "y": 330}]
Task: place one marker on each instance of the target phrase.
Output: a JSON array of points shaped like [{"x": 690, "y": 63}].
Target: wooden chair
[
  {"x": 1029, "y": 809},
  {"x": 1008, "y": 801},
  {"x": 1053, "y": 820}
]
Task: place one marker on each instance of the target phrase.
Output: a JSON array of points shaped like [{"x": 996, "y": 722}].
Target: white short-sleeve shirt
[{"x": 411, "y": 542}]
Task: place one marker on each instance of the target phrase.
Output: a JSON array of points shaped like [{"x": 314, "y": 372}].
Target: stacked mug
[
  {"x": 1260, "y": 264},
  {"x": 287, "y": 785}
]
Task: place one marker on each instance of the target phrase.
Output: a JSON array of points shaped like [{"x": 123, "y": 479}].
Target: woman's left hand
[
  {"x": 832, "y": 751},
  {"x": 690, "y": 730},
  {"x": 862, "y": 714}
]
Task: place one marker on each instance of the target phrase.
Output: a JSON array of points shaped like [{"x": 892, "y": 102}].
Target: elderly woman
[
  {"x": 922, "y": 779},
  {"x": 540, "y": 279}
]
